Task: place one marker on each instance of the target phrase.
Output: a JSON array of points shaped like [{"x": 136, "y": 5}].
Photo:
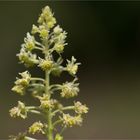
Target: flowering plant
[{"x": 49, "y": 39}]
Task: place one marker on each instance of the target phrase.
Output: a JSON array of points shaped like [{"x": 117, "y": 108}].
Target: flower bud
[
  {"x": 58, "y": 137},
  {"x": 57, "y": 30},
  {"x": 34, "y": 29}
]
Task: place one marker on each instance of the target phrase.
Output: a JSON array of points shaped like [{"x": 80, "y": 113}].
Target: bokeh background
[{"x": 105, "y": 38}]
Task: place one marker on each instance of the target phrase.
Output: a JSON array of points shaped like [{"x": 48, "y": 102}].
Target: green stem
[
  {"x": 62, "y": 109},
  {"x": 37, "y": 79},
  {"x": 29, "y": 138},
  {"x": 49, "y": 116},
  {"x": 37, "y": 48},
  {"x": 39, "y": 44},
  {"x": 57, "y": 122},
  {"x": 62, "y": 130},
  {"x": 35, "y": 112},
  {"x": 55, "y": 85}
]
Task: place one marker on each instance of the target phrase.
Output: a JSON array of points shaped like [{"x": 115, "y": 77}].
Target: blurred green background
[{"x": 105, "y": 38}]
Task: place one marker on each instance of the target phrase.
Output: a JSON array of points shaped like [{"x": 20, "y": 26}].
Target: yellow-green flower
[
  {"x": 29, "y": 42},
  {"x": 42, "y": 30},
  {"x": 47, "y": 103},
  {"x": 36, "y": 127},
  {"x": 19, "y": 111},
  {"x": 58, "y": 137},
  {"x": 69, "y": 89},
  {"x": 18, "y": 89},
  {"x": 25, "y": 79},
  {"x": 72, "y": 67},
  {"x": 27, "y": 57},
  {"x": 57, "y": 30},
  {"x": 59, "y": 48},
  {"x": 35, "y": 29},
  {"x": 43, "y": 33},
  {"x": 79, "y": 108},
  {"x": 47, "y": 18},
  {"x": 70, "y": 121},
  {"x": 46, "y": 64},
  {"x": 22, "y": 83}
]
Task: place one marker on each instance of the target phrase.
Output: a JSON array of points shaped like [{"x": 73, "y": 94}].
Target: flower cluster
[
  {"x": 42, "y": 30},
  {"x": 70, "y": 121},
  {"x": 27, "y": 57},
  {"x": 19, "y": 111},
  {"x": 36, "y": 127},
  {"x": 29, "y": 42},
  {"x": 72, "y": 67},
  {"x": 50, "y": 40},
  {"x": 69, "y": 89},
  {"x": 58, "y": 39},
  {"x": 79, "y": 108},
  {"x": 47, "y": 18},
  {"x": 46, "y": 64},
  {"x": 47, "y": 103},
  {"x": 21, "y": 84}
]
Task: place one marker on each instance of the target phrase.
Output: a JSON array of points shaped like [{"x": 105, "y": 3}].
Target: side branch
[
  {"x": 29, "y": 138},
  {"x": 63, "y": 109},
  {"x": 37, "y": 79}
]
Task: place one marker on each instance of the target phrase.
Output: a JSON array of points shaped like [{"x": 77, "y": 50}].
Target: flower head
[
  {"x": 47, "y": 103},
  {"x": 57, "y": 30},
  {"x": 59, "y": 38},
  {"x": 27, "y": 57},
  {"x": 47, "y": 17},
  {"x": 18, "y": 89},
  {"x": 29, "y": 42},
  {"x": 70, "y": 121},
  {"x": 36, "y": 127},
  {"x": 42, "y": 30},
  {"x": 58, "y": 137},
  {"x": 45, "y": 64},
  {"x": 72, "y": 67},
  {"x": 35, "y": 29},
  {"x": 19, "y": 111},
  {"x": 69, "y": 89},
  {"x": 59, "y": 48},
  {"x": 25, "y": 79},
  {"x": 22, "y": 83},
  {"x": 79, "y": 108}
]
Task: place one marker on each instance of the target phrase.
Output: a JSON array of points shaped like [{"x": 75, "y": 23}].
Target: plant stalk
[{"x": 49, "y": 116}]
